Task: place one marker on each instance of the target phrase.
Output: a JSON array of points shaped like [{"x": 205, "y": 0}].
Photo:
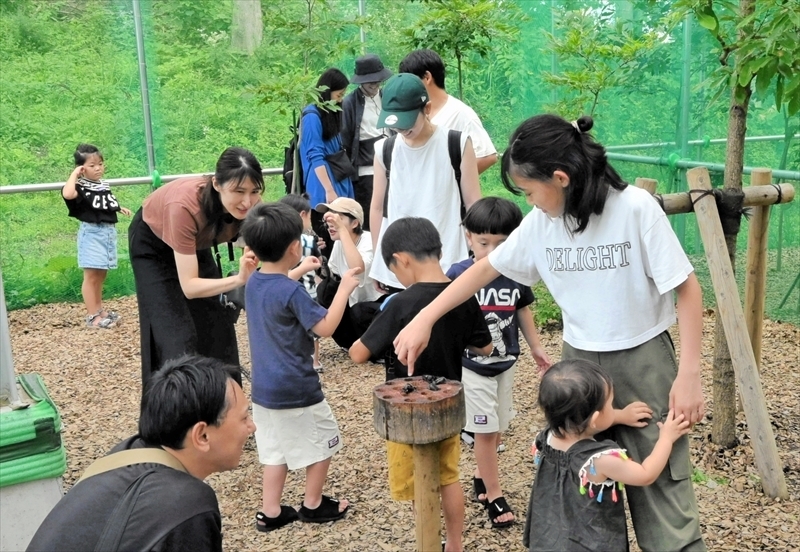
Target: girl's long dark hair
[
  {"x": 546, "y": 143},
  {"x": 234, "y": 166},
  {"x": 331, "y": 120}
]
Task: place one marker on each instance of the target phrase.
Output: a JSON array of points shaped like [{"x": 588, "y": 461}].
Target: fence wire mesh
[{"x": 71, "y": 74}]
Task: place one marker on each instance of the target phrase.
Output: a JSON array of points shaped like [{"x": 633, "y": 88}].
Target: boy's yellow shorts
[{"x": 401, "y": 466}]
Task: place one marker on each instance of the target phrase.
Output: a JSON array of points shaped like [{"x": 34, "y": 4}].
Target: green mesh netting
[{"x": 71, "y": 74}]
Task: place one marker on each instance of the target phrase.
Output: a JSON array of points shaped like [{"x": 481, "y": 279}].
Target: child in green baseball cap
[
  {"x": 433, "y": 173},
  {"x": 404, "y": 97}
]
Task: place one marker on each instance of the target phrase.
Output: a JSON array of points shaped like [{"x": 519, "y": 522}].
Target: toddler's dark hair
[
  {"x": 544, "y": 144},
  {"x": 297, "y": 202},
  {"x": 83, "y": 151},
  {"x": 570, "y": 392},
  {"x": 416, "y": 236},
  {"x": 493, "y": 215},
  {"x": 269, "y": 230}
]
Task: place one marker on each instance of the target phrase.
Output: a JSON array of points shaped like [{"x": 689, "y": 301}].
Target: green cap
[{"x": 404, "y": 96}]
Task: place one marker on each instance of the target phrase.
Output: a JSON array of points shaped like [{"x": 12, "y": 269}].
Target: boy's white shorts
[
  {"x": 297, "y": 437},
  {"x": 490, "y": 405}
]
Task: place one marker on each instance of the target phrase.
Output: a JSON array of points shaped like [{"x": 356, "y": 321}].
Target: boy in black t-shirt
[{"x": 411, "y": 248}]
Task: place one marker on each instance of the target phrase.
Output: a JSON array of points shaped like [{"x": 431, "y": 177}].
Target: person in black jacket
[{"x": 359, "y": 124}]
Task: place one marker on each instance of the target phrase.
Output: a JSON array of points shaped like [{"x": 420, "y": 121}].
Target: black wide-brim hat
[{"x": 369, "y": 68}]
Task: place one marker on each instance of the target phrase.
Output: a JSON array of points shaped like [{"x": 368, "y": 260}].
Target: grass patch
[{"x": 700, "y": 477}]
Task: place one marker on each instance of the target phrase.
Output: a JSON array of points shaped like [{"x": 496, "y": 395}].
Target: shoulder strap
[
  {"x": 111, "y": 537},
  {"x": 388, "y": 150},
  {"x": 132, "y": 456},
  {"x": 454, "y": 149}
]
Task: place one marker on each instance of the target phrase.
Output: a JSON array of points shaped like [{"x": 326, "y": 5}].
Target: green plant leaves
[{"x": 707, "y": 18}]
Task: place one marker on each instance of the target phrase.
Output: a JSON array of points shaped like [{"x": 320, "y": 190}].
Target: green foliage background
[{"x": 70, "y": 75}]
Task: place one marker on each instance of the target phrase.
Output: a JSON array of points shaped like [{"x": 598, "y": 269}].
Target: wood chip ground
[{"x": 94, "y": 378}]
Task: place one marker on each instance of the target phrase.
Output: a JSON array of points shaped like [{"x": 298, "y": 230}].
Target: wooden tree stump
[{"x": 406, "y": 410}]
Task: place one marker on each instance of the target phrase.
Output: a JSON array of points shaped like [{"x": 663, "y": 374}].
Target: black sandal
[
  {"x": 328, "y": 510},
  {"x": 478, "y": 489},
  {"x": 266, "y": 524},
  {"x": 497, "y": 508}
]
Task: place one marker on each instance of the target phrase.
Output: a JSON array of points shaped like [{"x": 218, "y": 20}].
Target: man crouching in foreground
[{"x": 194, "y": 410}]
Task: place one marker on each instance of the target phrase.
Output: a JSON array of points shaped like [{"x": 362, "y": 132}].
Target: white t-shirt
[
  {"x": 369, "y": 126},
  {"x": 423, "y": 185},
  {"x": 613, "y": 280},
  {"x": 457, "y": 115},
  {"x": 338, "y": 264}
]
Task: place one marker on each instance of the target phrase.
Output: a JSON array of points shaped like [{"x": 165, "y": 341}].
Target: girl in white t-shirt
[{"x": 609, "y": 257}]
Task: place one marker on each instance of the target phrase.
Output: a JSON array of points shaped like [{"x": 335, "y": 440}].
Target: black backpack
[
  {"x": 453, "y": 148},
  {"x": 293, "y": 179}
]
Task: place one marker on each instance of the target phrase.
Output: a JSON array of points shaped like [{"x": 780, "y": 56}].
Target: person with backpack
[
  {"x": 327, "y": 170},
  {"x": 447, "y": 110},
  {"x": 423, "y": 171}
]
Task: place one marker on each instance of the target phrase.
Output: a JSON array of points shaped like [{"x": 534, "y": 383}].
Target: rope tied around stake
[
  {"x": 730, "y": 204},
  {"x": 780, "y": 192}
]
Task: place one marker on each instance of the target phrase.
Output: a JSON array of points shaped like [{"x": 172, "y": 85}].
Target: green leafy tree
[
  {"x": 301, "y": 37},
  {"x": 597, "y": 52},
  {"x": 759, "y": 53},
  {"x": 461, "y": 28}
]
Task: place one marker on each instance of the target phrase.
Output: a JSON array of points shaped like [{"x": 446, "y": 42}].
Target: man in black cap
[{"x": 359, "y": 124}]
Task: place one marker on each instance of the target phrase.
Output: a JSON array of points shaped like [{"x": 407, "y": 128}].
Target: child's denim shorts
[{"x": 97, "y": 245}]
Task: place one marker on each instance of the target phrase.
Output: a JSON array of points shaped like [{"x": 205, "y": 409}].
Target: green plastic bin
[{"x": 30, "y": 438}]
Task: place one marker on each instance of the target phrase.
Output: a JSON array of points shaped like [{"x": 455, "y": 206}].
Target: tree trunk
[
  {"x": 723, "y": 429},
  {"x": 788, "y": 135},
  {"x": 247, "y": 27},
  {"x": 460, "y": 78}
]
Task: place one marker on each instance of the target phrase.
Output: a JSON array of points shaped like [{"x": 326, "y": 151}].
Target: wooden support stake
[
  {"x": 648, "y": 184},
  {"x": 730, "y": 311},
  {"x": 410, "y": 411},
  {"x": 426, "y": 497},
  {"x": 756, "y": 276}
]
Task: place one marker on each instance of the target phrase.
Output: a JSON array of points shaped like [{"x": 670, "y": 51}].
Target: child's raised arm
[
  {"x": 328, "y": 325},
  {"x": 528, "y": 328},
  {"x": 629, "y": 472},
  {"x": 306, "y": 265},
  {"x": 69, "y": 191}
]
